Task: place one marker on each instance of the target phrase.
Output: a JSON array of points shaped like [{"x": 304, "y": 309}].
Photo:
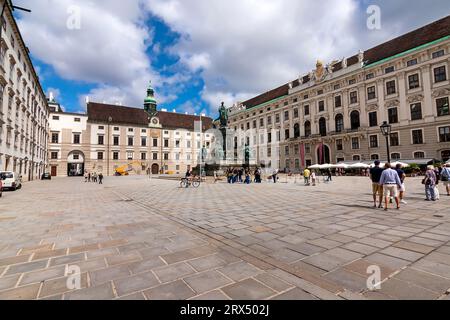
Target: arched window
[
  {"x": 323, "y": 127},
  {"x": 354, "y": 119},
  {"x": 296, "y": 130},
  {"x": 419, "y": 155},
  {"x": 356, "y": 158},
  {"x": 307, "y": 129},
  {"x": 339, "y": 123},
  {"x": 395, "y": 156}
]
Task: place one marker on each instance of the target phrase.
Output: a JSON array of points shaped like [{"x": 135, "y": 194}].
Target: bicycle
[{"x": 186, "y": 183}]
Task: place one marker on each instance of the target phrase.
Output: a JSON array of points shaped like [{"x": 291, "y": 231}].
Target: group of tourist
[
  {"x": 94, "y": 177},
  {"x": 388, "y": 184},
  {"x": 243, "y": 175},
  {"x": 311, "y": 177}
]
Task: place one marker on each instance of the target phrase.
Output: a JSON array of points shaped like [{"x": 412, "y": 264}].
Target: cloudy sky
[{"x": 199, "y": 53}]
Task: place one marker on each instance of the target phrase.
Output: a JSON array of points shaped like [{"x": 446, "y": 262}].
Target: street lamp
[{"x": 386, "y": 131}]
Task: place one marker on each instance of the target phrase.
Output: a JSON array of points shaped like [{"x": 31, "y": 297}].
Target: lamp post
[
  {"x": 110, "y": 119},
  {"x": 386, "y": 131}
]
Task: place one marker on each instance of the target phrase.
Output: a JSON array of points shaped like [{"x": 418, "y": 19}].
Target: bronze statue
[{"x": 223, "y": 115}]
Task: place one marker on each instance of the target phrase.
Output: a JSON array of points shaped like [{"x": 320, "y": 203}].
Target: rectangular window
[
  {"x": 54, "y": 155},
  {"x": 130, "y": 141},
  {"x": 306, "y": 110},
  {"x": 321, "y": 106},
  {"x": 413, "y": 81},
  {"x": 286, "y": 150},
  {"x": 155, "y": 142},
  {"x": 355, "y": 143},
  {"x": 395, "y": 139},
  {"x": 442, "y": 107},
  {"x": 339, "y": 145},
  {"x": 353, "y": 97},
  {"x": 370, "y": 76},
  {"x": 55, "y": 137},
  {"x": 438, "y": 54},
  {"x": 319, "y": 92},
  {"x": 269, "y": 137},
  {"x": 389, "y": 69},
  {"x": 337, "y": 101},
  {"x": 393, "y": 115},
  {"x": 166, "y": 156},
  {"x": 295, "y": 113},
  {"x": 177, "y": 143},
  {"x": 352, "y": 81},
  {"x": 254, "y": 124},
  {"x": 76, "y": 138},
  {"x": 116, "y": 128},
  {"x": 371, "y": 93},
  {"x": 188, "y": 144},
  {"x": 444, "y": 134},
  {"x": 143, "y": 141},
  {"x": 417, "y": 137},
  {"x": 101, "y": 140},
  {"x": 155, "y": 156},
  {"x": 286, "y": 134},
  {"x": 307, "y": 148},
  {"x": 416, "y": 111},
  {"x": 166, "y": 143},
  {"x": 277, "y": 118},
  {"x": 115, "y": 156},
  {"x": 55, "y": 117},
  {"x": 269, "y": 120},
  {"x": 440, "y": 74},
  {"x": 101, "y": 128},
  {"x": 143, "y": 156},
  {"x": 130, "y": 130},
  {"x": 261, "y": 122},
  {"x": 411, "y": 63},
  {"x": 373, "y": 119},
  {"x": 390, "y": 87},
  {"x": 99, "y": 155},
  {"x": 374, "y": 141},
  {"x": 130, "y": 155},
  {"x": 77, "y": 120},
  {"x": 116, "y": 140}
]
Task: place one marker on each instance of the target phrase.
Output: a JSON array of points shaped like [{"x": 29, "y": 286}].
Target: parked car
[
  {"x": 46, "y": 176},
  {"x": 10, "y": 180}
]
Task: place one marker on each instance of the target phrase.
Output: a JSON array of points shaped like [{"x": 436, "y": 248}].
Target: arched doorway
[
  {"x": 75, "y": 164},
  {"x": 323, "y": 154},
  {"x": 155, "y": 168}
]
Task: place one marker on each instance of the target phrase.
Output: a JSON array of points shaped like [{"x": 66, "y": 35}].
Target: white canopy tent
[{"x": 359, "y": 165}]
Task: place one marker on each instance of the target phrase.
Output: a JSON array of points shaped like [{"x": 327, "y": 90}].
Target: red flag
[
  {"x": 302, "y": 154},
  {"x": 321, "y": 153}
]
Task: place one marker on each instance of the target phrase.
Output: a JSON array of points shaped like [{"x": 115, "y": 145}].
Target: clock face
[{"x": 155, "y": 121}]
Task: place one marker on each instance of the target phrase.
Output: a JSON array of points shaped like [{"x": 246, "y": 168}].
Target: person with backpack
[{"x": 445, "y": 177}]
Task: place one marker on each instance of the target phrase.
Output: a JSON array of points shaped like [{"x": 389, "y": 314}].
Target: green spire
[{"x": 150, "y": 103}]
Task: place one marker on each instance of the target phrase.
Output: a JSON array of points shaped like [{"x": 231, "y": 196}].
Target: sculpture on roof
[{"x": 223, "y": 112}]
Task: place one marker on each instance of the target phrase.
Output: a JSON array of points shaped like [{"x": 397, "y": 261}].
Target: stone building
[
  {"x": 334, "y": 113},
  {"x": 23, "y": 106},
  {"x": 137, "y": 140}
]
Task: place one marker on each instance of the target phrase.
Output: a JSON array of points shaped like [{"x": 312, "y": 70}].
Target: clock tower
[{"x": 150, "y": 103}]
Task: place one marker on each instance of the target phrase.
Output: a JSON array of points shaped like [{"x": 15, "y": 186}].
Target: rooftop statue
[{"x": 223, "y": 115}]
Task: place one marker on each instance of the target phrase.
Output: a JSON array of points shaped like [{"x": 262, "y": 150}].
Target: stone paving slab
[{"x": 130, "y": 243}]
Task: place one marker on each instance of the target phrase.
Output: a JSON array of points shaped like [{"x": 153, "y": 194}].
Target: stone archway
[
  {"x": 323, "y": 154},
  {"x": 75, "y": 163}
]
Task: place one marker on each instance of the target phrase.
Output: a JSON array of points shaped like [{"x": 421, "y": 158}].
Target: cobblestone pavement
[{"x": 135, "y": 238}]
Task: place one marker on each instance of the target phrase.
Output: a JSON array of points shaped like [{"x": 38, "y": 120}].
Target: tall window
[
  {"x": 442, "y": 107},
  {"x": 166, "y": 143},
  {"x": 393, "y": 115},
  {"x": 417, "y": 137},
  {"x": 296, "y": 130},
  {"x": 101, "y": 140},
  {"x": 354, "y": 118},
  {"x": 130, "y": 155},
  {"x": 130, "y": 141},
  {"x": 307, "y": 110},
  {"x": 115, "y": 155},
  {"x": 286, "y": 134},
  {"x": 339, "y": 123},
  {"x": 353, "y": 97},
  {"x": 143, "y": 141},
  {"x": 321, "y": 106},
  {"x": 416, "y": 111},
  {"x": 390, "y": 87},
  {"x": 374, "y": 141},
  {"x": 440, "y": 74},
  {"x": 54, "y": 155},
  {"x": 371, "y": 93},
  {"x": 394, "y": 139},
  {"x": 444, "y": 134},
  {"x": 155, "y": 142},
  {"x": 296, "y": 113},
  {"x": 307, "y": 129},
  {"x": 155, "y": 156},
  {"x": 143, "y": 156},
  {"x": 277, "y": 118},
  {"x": 286, "y": 116},
  {"x": 116, "y": 140},
  {"x": 373, "y": 119},
  {"x": 55, "y": 137},
  {"x": 323, "y": 127},
  {"x": 413, "y": 81},
  {"x": 337, "y": 101},
  {"x": 339, "y": 145},
  {"x": 355, "y": 143},
  {"x": 99, "y": 155}
]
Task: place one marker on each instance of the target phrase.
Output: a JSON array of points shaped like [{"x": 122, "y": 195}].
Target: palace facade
[
  {"x": 23, "y": 106},
  {"x": 334, "y": 113},
  {"x": 137, "y": 140}
]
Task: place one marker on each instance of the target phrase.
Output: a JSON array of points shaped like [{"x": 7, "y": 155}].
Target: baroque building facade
[
  {"x": 334, "y": 113},
  {"x": 137, "y": 140},
  {"x": 23, "y": 106}
]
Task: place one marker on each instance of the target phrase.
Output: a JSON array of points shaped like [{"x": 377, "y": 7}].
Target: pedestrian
[
  {"x": 437, "y": 172},
  {"x": 85, "y": 176},
  {"x": 313, "y": 178},
  {"x": 89, "y": 177},
  {"x": 275, "y": 175},
  {"x": 377, "y": 189},
  {"x": 391, "y": 183},
  {"x": 402, "y": 177},
  {"x": 430, "y": 183},
  {"x": 100, "y": 178},
  {"x": 257, "y": 175},
  {"x": 307, "y": 175},
  {"x": 445, "y": 178},
  {"x": 215, "y": 176},
  {"x": 329, "y": 174},
  {"x": 240, "y": 173},
  {"x": 247, "y": 177}
]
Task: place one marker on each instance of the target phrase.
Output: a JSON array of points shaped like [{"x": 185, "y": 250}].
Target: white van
[{"x": 11, "y": 180}]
